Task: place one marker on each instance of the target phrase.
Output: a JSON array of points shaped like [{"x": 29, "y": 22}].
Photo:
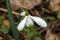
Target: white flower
[
  {"x": 23, "y": 13},
  {"x": 28, "y": 21},
  {"x": 22, "y": 24}
]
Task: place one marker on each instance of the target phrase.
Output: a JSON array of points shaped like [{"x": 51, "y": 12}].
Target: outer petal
[
  {"x": 39, "y": 21},
  {"x": 22, "y": 24},
  {"x": 23, "y": 13},
  {"x": 29, "y": 22}
]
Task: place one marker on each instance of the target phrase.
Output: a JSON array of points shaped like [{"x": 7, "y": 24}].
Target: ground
[{"x": 49, "y": 10}]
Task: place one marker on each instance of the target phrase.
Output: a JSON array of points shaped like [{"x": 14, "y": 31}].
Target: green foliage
[
  {"x": 27, "y": 38},
  {"x": 1, "y": 19},
  {"x": 4, "y": 29},
  {"x": 30, "y": 31},
  {"x": 50, "y": 19},
  {"x": 58, "y": 15},
  {"x": 37, "y": 38}
]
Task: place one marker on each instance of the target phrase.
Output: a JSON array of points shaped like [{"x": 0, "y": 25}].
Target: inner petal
[{"x": 29, "y": 22}]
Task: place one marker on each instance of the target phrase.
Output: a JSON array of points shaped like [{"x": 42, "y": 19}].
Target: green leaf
[
  {"x": 4, "y": 29},
  {"x": 1, "y": 19},
  {"x": 30, "y": 31},
  {"x": 12, "y": 21},
  {"x": 37, "y": 38},
  {"x": 58, "y": 15},
  {"x": 27, "y": 38}
]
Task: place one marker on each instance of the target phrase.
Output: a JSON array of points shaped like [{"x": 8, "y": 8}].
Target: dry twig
[{"x": 5, "y": 10}]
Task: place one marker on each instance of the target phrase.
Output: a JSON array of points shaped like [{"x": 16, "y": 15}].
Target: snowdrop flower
[
  {"x": 23, "y": 13},
  {"x": 28, "y": 21}
]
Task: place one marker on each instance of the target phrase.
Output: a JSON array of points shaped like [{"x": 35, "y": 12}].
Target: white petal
[
  {"x": 29, "y": 22},
  {"x": 23, "y": 13},
  {"x": 22, "y": 24},
  {"x": 39, "y": 21}
]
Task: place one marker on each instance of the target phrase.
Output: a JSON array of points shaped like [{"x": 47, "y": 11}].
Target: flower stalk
[{"x": 12, "y": 22}]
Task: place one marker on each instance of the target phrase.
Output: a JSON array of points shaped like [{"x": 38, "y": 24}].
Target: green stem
[{"x": 13, "y": 26}]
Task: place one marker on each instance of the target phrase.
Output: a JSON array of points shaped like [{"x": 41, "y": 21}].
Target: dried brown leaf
[
  {"x": 28, "y": 4},
  {"x": 1, "y": 38},
  {"x": 7, "y": 23},
  {"x": 49, "y": 35},
  {"x": 55, "y": 5}
]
